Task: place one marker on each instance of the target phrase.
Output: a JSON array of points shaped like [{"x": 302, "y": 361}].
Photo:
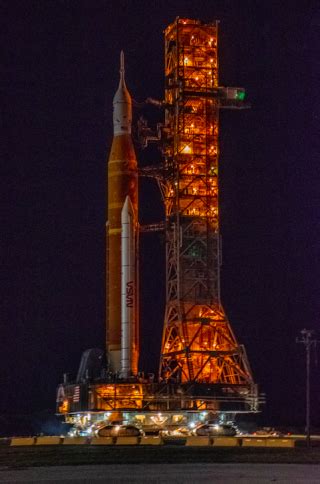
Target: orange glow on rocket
[{"x": 122, "y": 307}]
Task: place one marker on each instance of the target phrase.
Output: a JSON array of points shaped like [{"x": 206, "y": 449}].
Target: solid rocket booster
[
  {"x": 128, "y": 291},
  {"x": 122, "y": 240}
]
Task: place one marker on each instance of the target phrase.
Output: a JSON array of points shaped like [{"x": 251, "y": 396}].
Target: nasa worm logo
[{"x": 129, "y": 294}]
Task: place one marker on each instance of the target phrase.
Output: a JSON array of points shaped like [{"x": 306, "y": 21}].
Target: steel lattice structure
[{"x": 198, "y": 343}]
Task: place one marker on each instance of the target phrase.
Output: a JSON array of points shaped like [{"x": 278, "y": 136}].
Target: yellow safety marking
[
  {"x": 75, "y": 440},
  {"x": 225, "y": 442},
  {"x": 127, "y": 440},
  {"x": 254, "y": 442},
  {"x": 280, "y": 442},
  {"x": 101, "y": 441},
  {"x": 193, "y": 441},
  {"x": 20, "y": 441},
  {"x": 151, "y": 440},
  {"x": 47, "y": 440},
  {"x": 114, "y": 231}
]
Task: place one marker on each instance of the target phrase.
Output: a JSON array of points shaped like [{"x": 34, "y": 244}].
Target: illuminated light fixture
[
  {"x": 211, "y": 60},
  {"x": 186, "y": 149},
  {"x": 197, "y": 78},
  {"x": 240, "y": 96},
  {"x": 192, "y": 425},
  {"x": 186, "y": 60},
  {"x": 159, "y": 419}
]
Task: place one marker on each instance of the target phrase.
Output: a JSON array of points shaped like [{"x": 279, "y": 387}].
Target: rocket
[{"x": 122, "y": 240}]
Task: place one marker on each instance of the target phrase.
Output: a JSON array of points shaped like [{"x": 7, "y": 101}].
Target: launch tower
[{"x": 198, "y": 343}]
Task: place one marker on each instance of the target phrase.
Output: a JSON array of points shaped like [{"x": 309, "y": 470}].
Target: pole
[
  {"x": 308, "y": 391},
  {"x": 307, "y": 340}
]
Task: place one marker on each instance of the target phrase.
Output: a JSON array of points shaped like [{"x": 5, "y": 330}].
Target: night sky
[{"x": 59, "y": 72}]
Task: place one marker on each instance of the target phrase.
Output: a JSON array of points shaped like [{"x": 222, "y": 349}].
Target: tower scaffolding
[{"x": 198, "y": 344}]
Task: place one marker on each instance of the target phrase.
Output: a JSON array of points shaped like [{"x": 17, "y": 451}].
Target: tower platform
[{"x": 153, "y": 406}]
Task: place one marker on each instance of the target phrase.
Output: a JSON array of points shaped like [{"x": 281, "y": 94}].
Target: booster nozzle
[{"x": 122, "y": 105}]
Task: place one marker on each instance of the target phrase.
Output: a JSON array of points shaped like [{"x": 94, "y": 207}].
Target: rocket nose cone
[
  {"x": 127, "y": 206},
  {"x": 127, "y": 212}
]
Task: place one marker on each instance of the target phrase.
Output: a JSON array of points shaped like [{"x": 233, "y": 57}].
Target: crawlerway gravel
[{"x": 168, "y": 473}]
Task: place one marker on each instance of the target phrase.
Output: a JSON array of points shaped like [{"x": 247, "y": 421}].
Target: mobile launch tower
[
  {"x": 202, "y": 367},
  {"x": 198, "y": 343}
]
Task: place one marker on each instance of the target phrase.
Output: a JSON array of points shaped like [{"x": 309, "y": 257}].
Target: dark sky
[{"x": 59, "y": 72}]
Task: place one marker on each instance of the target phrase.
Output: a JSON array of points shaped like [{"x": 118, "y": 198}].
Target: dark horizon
[{"x": 59, "y": 74}]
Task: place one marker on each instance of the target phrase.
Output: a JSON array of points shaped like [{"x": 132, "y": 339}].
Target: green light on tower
[{"x": 240, "y": 95}]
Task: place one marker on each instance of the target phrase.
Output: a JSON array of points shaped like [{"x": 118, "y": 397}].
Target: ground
[
  {"x": 159, "y": 464},
  {"x": 169, "y": 473}
]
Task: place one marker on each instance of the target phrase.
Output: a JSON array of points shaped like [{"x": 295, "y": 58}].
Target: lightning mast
[{"x": 198, "y": 343}]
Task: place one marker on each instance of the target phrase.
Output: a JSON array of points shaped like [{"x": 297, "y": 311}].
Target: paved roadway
[{"x": 168, "y": 473}]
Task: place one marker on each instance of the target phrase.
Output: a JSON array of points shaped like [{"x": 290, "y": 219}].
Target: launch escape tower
[
  {"x": 202, "y": 367},
  {"x": 198, "y": 343}
]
